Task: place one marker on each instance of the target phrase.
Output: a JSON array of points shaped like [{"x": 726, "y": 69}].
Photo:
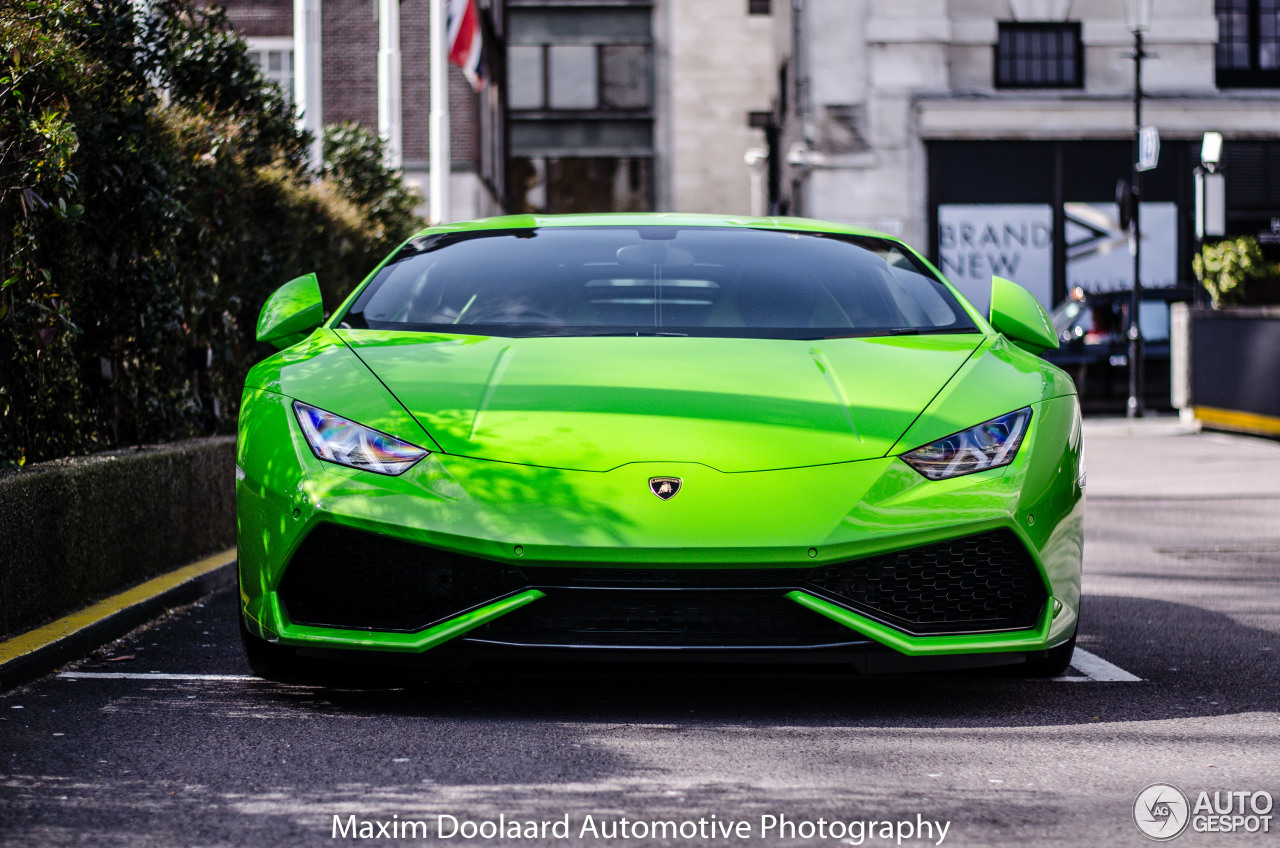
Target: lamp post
[
  {"x": 1137, "y": 15},
  {"x": 1211, "y": 200}
]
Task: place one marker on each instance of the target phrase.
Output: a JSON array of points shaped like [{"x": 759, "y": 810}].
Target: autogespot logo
[{"x": 1161, "y": 811}]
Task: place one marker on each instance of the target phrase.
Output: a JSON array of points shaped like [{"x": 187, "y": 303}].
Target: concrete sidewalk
[
  {"x": 1186, "y": 518},
  {"x": 1160, "y": 457}
]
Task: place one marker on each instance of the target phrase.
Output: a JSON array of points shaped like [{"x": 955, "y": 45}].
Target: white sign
[
  {"x": 979, "y": 241},
  {"x": 1148, "y": 148},
  {"x": 1098, "y": 257}
]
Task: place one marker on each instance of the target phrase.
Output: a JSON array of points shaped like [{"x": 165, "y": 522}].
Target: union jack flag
[{"x": 466, "y": 41}]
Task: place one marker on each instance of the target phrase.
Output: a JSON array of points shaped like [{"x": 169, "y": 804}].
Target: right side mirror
[
  {"x": 291, "y": 313},
  {"x": 1017, "y": 314}
]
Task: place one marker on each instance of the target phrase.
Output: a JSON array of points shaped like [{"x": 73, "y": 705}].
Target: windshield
[{"x": 616, "y": 280}]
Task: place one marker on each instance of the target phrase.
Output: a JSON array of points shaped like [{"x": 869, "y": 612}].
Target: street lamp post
[{"x": 1137, "y": 15}]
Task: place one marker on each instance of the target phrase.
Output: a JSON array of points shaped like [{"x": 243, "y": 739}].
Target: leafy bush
[
  {"x": 1226, "y": 268},
  {"x": 353, "y": 161},
  {"x": 153, "y": 192}
]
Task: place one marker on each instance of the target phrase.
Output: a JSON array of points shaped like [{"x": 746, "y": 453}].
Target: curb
[{"x": 37, "y": 652}]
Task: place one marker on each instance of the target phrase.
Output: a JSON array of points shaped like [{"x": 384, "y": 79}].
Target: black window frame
[
  {"x": 601, "y": 105},
  {"x": 1072, "y": 29},
  {"x": 1254, "y": 76},
  {"x": 354, "y": 318}
]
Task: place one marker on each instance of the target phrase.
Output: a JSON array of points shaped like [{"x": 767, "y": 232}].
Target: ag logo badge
[
  {"x": 1161, "y": 811},
  {"x": 665, "y": 487}
]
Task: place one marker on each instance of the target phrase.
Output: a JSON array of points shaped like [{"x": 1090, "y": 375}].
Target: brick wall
[
  {"x": 349, "y": 51},
  {"x": 349, "y": 61},
  {"x": 261, "y": 18},
  {"x": 415, "y": 69}
]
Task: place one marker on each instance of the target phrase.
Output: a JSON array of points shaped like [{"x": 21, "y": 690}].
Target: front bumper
[{"x": 533, "y": 520}]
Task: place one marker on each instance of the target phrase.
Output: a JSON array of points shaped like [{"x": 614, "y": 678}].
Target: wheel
[
  {"x": 1053, "y": 662},
  {"x": 268, "y": 660}
]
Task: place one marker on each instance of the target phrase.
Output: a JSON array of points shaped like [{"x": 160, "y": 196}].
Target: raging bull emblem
[{"x": 665, "y": 487}]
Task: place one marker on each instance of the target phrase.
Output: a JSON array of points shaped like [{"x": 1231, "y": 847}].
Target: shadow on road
[{"x": 1192, "y": 662}]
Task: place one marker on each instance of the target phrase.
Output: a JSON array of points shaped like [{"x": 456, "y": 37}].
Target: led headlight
[
  {"x": 335, "y": 439},
  {"x": 989, "y": 445}
]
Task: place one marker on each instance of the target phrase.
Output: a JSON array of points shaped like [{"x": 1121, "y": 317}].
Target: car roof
[{"x": 657, "y": 219}]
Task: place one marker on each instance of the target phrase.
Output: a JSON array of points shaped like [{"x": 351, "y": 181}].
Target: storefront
[{"x": 1044, "y": 214}]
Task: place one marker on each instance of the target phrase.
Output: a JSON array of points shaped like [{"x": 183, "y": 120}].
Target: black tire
[
  {"x": 1053, "y": 662},
  {"x": 268, "y": 660}
]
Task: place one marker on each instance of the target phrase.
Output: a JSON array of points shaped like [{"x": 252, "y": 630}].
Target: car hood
[{"x": 594, "y": 403}]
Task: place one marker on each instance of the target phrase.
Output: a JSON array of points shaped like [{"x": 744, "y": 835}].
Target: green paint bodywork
[
  {"x": 1016, "y": 313},
  {"x": 546, "y": 445},
  {"x": 291, "y": 313},
  {"x": 924, "y": 646},
  {"x": 277, "y": 627},
  {"x": 749, "y": 405}
]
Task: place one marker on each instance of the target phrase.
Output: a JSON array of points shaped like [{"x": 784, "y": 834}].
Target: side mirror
[
  {"x": 291, "y": 313},
  {"x": 1016, "y": 313}
]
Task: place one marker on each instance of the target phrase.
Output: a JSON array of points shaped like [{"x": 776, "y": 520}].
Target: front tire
[
  {"x": 1053, "y": 662},
  {"x": 268, "y": 660}
]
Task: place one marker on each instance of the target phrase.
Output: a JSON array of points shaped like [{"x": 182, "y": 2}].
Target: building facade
[
  {"x": 637, "y": 105},
  {"x": 600, "y": 106},
  {"x": 720, "y": 83},
  {"x": 993, "y": 132},
  {"x": 345, "y": 86}
]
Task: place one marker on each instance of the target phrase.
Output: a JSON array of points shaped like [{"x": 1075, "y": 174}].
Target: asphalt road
[{"x": 1181, "y": 590}]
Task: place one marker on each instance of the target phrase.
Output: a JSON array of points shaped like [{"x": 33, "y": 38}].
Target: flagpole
[
  {"x": 307, "y": 79},
  {"x": 389, "y": 121},
  {"x": 439, "y": 128}
]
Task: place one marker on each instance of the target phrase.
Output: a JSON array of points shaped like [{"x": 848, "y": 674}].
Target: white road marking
[
  {"x": 136, "y": 675},
  {"x": 1097, "y": 669},
  {"x": 1094, "y": 668}
]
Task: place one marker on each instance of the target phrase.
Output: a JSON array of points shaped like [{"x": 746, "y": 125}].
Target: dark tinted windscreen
[{"x": 624, "y": 280}]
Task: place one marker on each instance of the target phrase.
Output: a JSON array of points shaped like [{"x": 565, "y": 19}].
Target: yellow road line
[
  {"x": 41, "y": 637},
  {"x": 1230, "y": 419}
]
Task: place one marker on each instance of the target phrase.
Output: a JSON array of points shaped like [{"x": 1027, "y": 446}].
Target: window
[
  {"x": 274, "y": 58},
  {"x": 616, "y": 280},
  {"x": 572, "y": 81},
  {"x": 759, "y": 7},
  {"x": 1248, "y": 53},
  {"x": 579, "y": 76},
  {"x": 524, "y": 76},
  {"x": 1039, "y": 55},
  {"x": 580, "y": 184},
  {"x": 624, "y": 76}
]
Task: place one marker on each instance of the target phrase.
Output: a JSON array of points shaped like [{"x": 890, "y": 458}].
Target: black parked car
[{"x": 1093, "y": 328}]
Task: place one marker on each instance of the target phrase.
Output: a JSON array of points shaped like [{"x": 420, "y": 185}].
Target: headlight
[
  {"x": 989, "y": 445},
  {"x": 335, "y": 439}
]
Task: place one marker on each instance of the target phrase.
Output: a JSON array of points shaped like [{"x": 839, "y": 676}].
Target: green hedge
[
  {"x": 76, "y": 530},
  {"x": 153, "y": 192}
]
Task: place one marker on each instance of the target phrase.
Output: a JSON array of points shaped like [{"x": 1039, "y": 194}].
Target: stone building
[
  {"x": 992, "y": 133},
  {"x": 634, "y": 105},
  {"x": 609, "y": 105}
]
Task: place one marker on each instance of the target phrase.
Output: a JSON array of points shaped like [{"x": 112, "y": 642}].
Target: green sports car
[{"x": 621, "y": 436}]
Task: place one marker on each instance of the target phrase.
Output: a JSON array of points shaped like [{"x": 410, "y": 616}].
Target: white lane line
[
  {"x": 135, "y": 675},
  {"x": 1097, "y": 669},
  {"x": 1094, "y": 668}
]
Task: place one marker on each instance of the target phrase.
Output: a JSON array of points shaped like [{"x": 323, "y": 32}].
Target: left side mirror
[
  {"x": 1016, "y": 313},
  {"x": 291, "y": 313}
]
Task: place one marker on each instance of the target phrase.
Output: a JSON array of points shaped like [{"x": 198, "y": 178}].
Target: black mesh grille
[
  {"x": 983, "y": 582},
  {"x": 341, "y": 577},
  {"x": 666, "y": 578},
  {"x": 636, "y": 618},
  {"x": 346, "y": 578}
]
